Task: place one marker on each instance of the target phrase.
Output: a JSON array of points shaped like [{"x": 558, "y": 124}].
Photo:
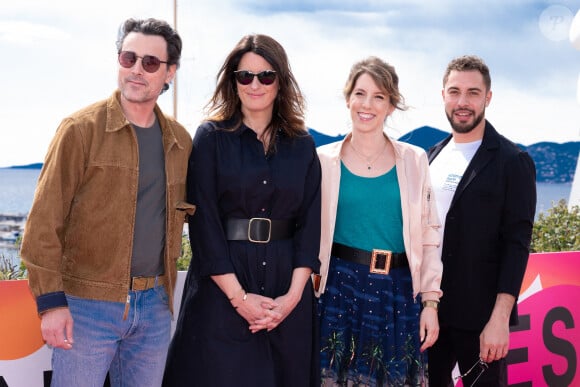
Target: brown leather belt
[
  {"x": 146, "y": 283},
  {"x": 259, "y": 230},
  {"x": 378, "y": 261}
]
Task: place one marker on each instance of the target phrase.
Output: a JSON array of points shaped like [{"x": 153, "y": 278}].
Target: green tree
[
  {"x": 9, "y": 269},
  {"x": 557, "y": 230},
  {"x": 185, "y": 258}
]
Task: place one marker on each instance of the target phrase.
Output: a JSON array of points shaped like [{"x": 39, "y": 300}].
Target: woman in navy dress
[{"x": 248, "y": 311}]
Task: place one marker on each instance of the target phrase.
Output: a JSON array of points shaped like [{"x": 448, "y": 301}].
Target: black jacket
[{"x": 487, "y": 231}]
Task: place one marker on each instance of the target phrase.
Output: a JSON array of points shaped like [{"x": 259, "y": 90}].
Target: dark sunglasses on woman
[{"x": 266, "y": 77}]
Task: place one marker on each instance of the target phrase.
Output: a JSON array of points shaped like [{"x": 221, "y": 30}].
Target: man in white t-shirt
[{"x": 486, "y": 195}]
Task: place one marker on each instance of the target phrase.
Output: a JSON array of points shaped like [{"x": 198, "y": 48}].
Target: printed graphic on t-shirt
[{"x": 451, "y": 182}]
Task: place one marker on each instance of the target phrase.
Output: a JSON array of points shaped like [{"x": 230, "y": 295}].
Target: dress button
[
  {"x": 264, "y": 263},
  {"x": 265, "y": 182}
]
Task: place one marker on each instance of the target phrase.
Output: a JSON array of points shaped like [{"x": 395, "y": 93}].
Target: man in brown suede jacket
[{"x": 104, "y": 232}]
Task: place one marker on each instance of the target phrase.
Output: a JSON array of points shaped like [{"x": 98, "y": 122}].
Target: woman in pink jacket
[{"x": 380, "y": 264}]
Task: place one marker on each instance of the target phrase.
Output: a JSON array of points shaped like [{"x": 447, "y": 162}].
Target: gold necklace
[{"x": 368, "y": 160}]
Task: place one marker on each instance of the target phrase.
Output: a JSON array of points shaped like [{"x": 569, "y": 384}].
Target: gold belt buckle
[
  {"x": 380, "y": 261},
  {"x": 252, "y": 220}
]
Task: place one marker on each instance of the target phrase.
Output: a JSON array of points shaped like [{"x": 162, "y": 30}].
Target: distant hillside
[
  {"x": 322, "y": 139},
  {"x": 425, "y": 137},
  {"x": 555, "y": 163},
  {"x": 29, "y": 166}
]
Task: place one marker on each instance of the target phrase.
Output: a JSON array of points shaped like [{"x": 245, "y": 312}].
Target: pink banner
[{"x": 544, "y": 347}]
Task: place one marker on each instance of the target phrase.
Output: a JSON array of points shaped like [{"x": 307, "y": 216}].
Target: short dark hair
[
  {"x": 469, "y": 63},
  {"x": 153, "y": 27}
]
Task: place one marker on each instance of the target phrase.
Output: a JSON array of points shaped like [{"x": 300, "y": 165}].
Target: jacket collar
[
  {"x": 490, "y": 141},
  {"x": 116, "y": 120},
  {"x": 485, "y": 153}
]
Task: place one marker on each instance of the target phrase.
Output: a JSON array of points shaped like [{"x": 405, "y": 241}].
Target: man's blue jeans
[{"x": 132, "y": 350}]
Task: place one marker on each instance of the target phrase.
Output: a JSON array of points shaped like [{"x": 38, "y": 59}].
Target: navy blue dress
[{"x": 230, "y": 177}]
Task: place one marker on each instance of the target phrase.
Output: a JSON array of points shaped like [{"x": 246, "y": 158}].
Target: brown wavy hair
[
  {"x": 384, "y": 76},
  {"x": 289, "y": 106}
]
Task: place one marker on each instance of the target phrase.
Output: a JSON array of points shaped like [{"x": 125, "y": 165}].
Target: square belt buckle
[
  {"x": 254, "y": 226},
  {"x": 380, "y": 261}
]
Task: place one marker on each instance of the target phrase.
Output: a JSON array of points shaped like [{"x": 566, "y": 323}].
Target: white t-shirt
[{"x": 446, "y": 171}]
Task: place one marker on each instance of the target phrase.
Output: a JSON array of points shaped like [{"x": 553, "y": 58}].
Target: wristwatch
[{"x": 431, "y": 303}]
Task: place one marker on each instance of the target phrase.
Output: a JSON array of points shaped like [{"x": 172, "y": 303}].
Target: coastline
[
  {"x": 12, "y": 222},
  {"x": 11, "y": 228}
]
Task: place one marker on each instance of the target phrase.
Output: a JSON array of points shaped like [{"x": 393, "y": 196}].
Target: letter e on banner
[{"x": 544, "y": 347}]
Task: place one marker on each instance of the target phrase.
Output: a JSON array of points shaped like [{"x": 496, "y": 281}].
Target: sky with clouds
[{"x": 60, "y": 56}]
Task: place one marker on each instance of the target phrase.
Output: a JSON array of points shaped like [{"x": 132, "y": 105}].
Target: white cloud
[
  {"x": 63, "y": 58},
  {"x": 27, "y": 34}
]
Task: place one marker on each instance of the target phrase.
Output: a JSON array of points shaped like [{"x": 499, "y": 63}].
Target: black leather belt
[
  {"x": 259, "y": 230},
  {"x": 379, "y": 261}
]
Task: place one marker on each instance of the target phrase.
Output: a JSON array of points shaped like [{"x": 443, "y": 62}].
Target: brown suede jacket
[{"x": 79, "y": 233}]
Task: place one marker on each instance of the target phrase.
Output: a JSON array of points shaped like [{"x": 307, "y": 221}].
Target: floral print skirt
[{"x": 370, "y": 328}]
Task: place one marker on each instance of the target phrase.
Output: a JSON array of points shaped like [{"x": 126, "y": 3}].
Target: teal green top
[{"x": 369, "y": 212}]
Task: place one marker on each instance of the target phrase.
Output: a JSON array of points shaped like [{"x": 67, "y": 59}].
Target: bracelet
[
  {"x": 244, "y": 298},
  {"x": 431, "y": 303},
  {"x": 234, "y": 296}
]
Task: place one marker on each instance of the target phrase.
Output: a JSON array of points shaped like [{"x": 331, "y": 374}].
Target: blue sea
[{"x": 17, "y": 192}]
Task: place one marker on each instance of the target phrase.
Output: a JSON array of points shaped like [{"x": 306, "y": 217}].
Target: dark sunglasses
[
  {"x": 150, "y": 63},
  {"x": 266, "y": 77}
]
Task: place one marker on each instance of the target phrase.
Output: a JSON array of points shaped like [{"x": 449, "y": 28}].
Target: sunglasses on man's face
[
  {"x": 150, "y": 63},
  {"x": 266, "y": 77}
]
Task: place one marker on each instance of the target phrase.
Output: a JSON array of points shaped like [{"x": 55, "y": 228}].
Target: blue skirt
[{"x": 370, "y": 327}]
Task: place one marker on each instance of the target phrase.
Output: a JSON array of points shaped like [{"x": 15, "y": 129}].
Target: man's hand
[
  {"x": 494, "y": 340},
  {"x": 56, "y": 327}
]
